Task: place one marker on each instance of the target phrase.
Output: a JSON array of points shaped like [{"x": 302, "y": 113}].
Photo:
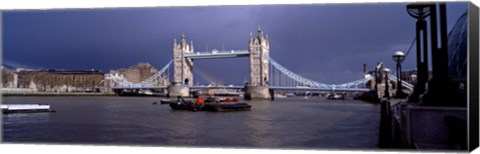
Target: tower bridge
[
  {"x": 258, "y": 53},
  {"x": 265, "y": 73}
]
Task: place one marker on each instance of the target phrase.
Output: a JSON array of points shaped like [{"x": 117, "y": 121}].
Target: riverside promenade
[
  {"x": 34, "y": 92},
  {"x": 412, "y": 126}
]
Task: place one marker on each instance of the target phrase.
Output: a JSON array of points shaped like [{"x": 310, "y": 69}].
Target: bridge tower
[
  {"x": 259, "y": 49},
  {"x": 182, "y": 68}
]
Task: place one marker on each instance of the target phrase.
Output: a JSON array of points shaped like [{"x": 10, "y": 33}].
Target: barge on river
[{"x": 215, "y": 105}]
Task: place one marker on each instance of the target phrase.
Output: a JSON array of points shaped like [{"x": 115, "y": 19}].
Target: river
[{"x": 286, "y": 123}]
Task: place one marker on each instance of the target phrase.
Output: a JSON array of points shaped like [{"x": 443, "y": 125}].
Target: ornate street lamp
[
  {"x": 420, "y": 11},
  {"x": 398, "y": 57},
  {"x": 386, "y": 72}
]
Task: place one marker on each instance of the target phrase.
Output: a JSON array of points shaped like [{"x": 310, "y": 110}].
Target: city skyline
[{"x": 321, "y": 36}]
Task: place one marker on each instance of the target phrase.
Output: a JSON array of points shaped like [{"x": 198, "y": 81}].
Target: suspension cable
[{"x": 411, "y": 45}]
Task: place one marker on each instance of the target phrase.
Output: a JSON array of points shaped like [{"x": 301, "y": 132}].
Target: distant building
[
  {"x": 60, "y": 80},
  {"x": 411, "y": 76},
  {"x": 137, "y": 73}
]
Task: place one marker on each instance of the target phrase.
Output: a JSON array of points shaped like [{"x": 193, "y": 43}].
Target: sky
[{"x": 328, "y": 43}]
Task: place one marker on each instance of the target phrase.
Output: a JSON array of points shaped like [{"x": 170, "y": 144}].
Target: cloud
[
  {"x": 15, "y": 65},
  {"x": 327, "y": 43}
]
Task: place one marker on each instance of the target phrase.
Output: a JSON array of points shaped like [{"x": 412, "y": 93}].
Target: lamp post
[
  {"x": 398, "y": 57},
  {"x": 420, "y": 12},
  {"x": 442, "y": 90},
  {"x": 386, "y": 72}
]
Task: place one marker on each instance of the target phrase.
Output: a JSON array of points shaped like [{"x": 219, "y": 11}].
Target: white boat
[
  {"x": 289, "y": 94},
  {"x": 279, "y": 96},
  {"x": 335, "y": 96},
  {"x": 146, "y": 92},
  {"x": 22, "y": 108}
]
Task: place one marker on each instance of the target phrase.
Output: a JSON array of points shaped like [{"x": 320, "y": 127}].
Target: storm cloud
[{"x": 324, "y": 42}]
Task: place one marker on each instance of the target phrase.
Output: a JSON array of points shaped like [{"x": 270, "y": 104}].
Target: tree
[
  {"x": 67, "y": 80},
  {"x": 25, "y": 78},
  {"x": 41, "y": 78},
  {"x": 7, "y": 78},
  {"x": 91, "y": 81}
]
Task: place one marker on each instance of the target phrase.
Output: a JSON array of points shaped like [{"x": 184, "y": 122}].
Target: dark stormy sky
[{"x": 324, "y": 42}]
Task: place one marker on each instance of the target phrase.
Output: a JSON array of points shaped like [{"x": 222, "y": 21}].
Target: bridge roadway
[
  {"x": 193, "y": 88},
  {"x": 217, "y": 54}
]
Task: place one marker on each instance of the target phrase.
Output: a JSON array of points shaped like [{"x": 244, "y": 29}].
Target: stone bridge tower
[
  {"x": 259, "y": 53},
  {"x": 182, "y": 67},
  {"x": 259, "y": 49}
]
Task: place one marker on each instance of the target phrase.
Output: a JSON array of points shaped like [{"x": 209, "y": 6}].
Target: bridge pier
[
  {"x": 257, "y": 92},
  {"x": 178, "y": 90}
]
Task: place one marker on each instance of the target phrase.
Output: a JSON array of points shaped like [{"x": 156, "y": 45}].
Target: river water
[{"x": 288, "y": 123}]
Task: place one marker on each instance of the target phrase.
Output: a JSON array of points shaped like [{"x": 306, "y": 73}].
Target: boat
[
  {"x": 215, "y": 99},
  {"x": 145, "y": 92},
  {"x": 165, "y": 101},
  {"x": 25, "y": 108},
  {"x": 182, "y": 104},
  {"x": 187, "y": 105},
  {"x": 222, "y": 107},
  {"x": 334, "y": 96},
  {"x": 279, "y": 96},
  {"x": 210, "y": 104},
  {"x": 224, "y": 104},
  {"x": 289, "y": 94},
  {"x": 162, "y": 101}
]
